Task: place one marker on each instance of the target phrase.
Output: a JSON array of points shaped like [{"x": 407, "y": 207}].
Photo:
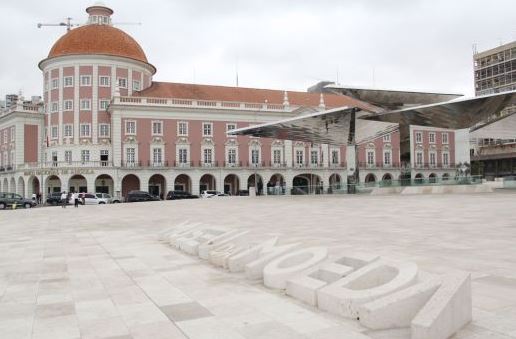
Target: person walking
[
  {"x": 38, "y": 198},
  {"x": 34, "y": 198},
  {"x": 75, "y": 198},
  {"x": 64, "y": 199}
]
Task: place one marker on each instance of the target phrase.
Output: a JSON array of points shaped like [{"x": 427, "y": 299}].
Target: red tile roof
[
  {"x": 98, "y": 39},
  {"x": 242, "y": 94}
]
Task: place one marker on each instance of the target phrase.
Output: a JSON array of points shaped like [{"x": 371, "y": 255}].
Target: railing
[
  {"x": 209, "y": 164},
  {"x": 172, "y": 102},
  {"x": 8, "y": 168},
  {"x": 237, "y": 164}
]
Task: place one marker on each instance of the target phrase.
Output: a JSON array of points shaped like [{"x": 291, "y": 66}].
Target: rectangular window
[
  {"x": 85, "y": 80},
  {"x": 232, "y": 156},
  {"x": 68, "y": 130},
  {"x": 136, "y": 85},
  {"x": 183, "y": 156},
  {"x": 68, "y": 157},
  {"x": 335, "y": 157},
  {"x": 103, "y": 104},
  {"x": 54, "y": 131},
  {"x": 230, "y": 127},
  {"x": 206, "y": 129},
  {"x": 54, "y": 107},
  {"x": 68, "y": 105},
  {"x": 431, "y": 137},
  {"x": 182, "y": 129},
  {"x": 432, "y": 159},
  {"x": 157, "y": 156},
  {"x": 419, "y": 159},
  {"x": 122, "y": 82},
  {"x": 207, "y": 155},
  {"x": 68, "y": 81},
  {"x": 85, "y": 104},
  {"x": 5, "y": 136},
  {"x": 387, "y": 158},
  {"x": 55, "y": 83},
  {"x": 130, "y": 127},
  {"x": 255, "y": 156},
  {"x": 85, "y": 155},
  {"x": 370, "y": 158},
  {"x": 445, "y": 138},
  {"x": 276, "y": 156},
  {"x": 446, "y": 159},
  {"x": 54, "y": 158},
  {"x": 314, "y": 155},
  {"x": 157, "y": 128},
  {"x": 130, "y": 155},
  {"x": 419, "y": 137},
  {"x": 12, "y": 134},
  {"x": 299, "y": 157},
  {"x": 104, "y": 130},
  {"x": 104, "y": 81},
  {"x": 84, "y": 130},
  {"x": 387, "y": 138}
]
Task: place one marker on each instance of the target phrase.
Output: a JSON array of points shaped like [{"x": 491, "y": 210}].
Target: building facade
[
  {"x": 493, "y": 147},
  {"x": 106, "y": 126}
]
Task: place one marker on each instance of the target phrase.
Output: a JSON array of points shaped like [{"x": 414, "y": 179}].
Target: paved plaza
[{"x": 100, "y": 271}]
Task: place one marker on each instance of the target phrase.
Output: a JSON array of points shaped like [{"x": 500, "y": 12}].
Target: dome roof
[{"x": 99, "y": 40}]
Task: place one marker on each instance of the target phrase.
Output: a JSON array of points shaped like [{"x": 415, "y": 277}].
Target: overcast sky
[{"x": 399, "y": 44}]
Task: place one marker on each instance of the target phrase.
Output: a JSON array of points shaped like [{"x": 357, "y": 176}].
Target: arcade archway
[
  {"x": 207, "y": 183},
  {"x": 158, "y": 185},
  {"x": 231, "y": 184},
  {"x": 183, "y": 183},
  {"x": 130, "y": 183}
]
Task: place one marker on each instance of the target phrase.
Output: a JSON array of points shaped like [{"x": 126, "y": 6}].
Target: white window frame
[
  {"x": 54, "y": 106},
  {"x": 68, "y": 81},
  {"x": 122, "y": 82},
  {"x": 387, "y": 138},
  {"x": 68, "y": 105},
  {"x": 299, "y": 157},
  {"x": 54, "y": 128},
  {"x": 229, "y": 159},
  {"x": 83, "y": 82},
  {"x": 54, "y": 83},
  {"x": 85, "y": 105},
  {"x": 82, "y": 129},
  {"x": 183, "y": 155},
  {"x": 385, "y": 162},
  {"x": 85, "y": 155},
  {"x": 104, "y": 130},
  {"x": 130, "y": 157},
  {"x": 312, "y": 152},
  {"x": 444, "y": 136},
  {"x": 433, "y": 155},
  {"x": 68, "y": 130},
  {"x": 207, "y": 156},
  {"x": 68, "y": 156},
  {"x": 106, "y": 79},
  {"x": 137, "y": 85},
  {"x": 179, "y": 128},
  {"x": 12, "y": 132},
  {"x": 419, "y": 137},
  {"x": 431, "y": 137},
  {"x": 157, "y": 156},
  {"x": 252, "y": 158},
  {"x": 155, "y": 123},
  {"x": 446, "y": 156},
  {"x": 103, "y": 104},
  {"x": 370, "y": 160},
  {"x": 276, "y": 161},
  {"x": 5, "y": 136},
  {"x": 130, "y": 131},
  {"x": 419, "y": 156},
  {"x": 229, "y": 127},
  {"x": 332, "y": 152},
  {"x": 204, "y": 125}
]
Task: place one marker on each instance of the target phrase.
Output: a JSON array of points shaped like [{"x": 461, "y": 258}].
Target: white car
[
  {"x": 91, "y": 199},
  {"x": 210, "y": 194},
  {"x": 107, "y": 198}
]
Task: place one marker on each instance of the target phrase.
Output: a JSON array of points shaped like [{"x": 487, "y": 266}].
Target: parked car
[
  {"x": 211, "y": 194},
  {"x": 54, "y": 199},
  {"x": 107, "y": 198},
  {"x": 243, "y": 192},
  {"x": 137, "y": 196},
  {"x": 7, "y": 200},
  {"x": 177, "y": 195},
  {"x": 91, "y": 199}
]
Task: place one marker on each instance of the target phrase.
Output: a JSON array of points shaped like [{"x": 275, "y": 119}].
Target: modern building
[
  {"x": 106, "y": 126},
  {"x": 493, "y": 151}
]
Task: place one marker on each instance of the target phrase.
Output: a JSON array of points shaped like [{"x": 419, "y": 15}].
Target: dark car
[
  {"x": 137, "y": 196},
  {"x": 54, "y": 198},
  {"x": 243, "y": 192},
  {"x": 8, "y": 200},
  {"x": 177, "y": 195}
]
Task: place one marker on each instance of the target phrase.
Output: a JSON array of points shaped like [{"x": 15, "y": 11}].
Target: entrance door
[{"x": 102, "y": 189}]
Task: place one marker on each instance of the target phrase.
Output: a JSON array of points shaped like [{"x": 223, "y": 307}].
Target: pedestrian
[
  {"x": 64, "y": 199},
  {"x": 38, "y": 198},
  {"x": 75, "y": 198},
  {"x": 83, "y": 198},
  {"x": 34, "y": 198}
]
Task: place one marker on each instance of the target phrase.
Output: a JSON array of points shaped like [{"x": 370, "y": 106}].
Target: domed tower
[{"x": 83, "y": 70}]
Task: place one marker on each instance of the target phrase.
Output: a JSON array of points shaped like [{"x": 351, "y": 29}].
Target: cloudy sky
[{"x": 400, "y": 44}]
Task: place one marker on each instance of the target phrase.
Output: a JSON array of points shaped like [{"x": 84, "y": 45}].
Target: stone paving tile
[
  {"x": 55, "y": 310},
  {"x": 139, "y": 314},
  {"x": 103, "y": 328},
  {"x": 157, "y": 330},
  {"x": 185, "y": 311},
  {"x": 95, "y": 309}
]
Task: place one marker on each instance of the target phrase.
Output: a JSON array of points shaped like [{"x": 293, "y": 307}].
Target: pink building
[{"x": 108, "y": 127}]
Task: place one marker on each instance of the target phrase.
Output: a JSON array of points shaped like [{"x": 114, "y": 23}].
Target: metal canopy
[
  {"x": 333, "y": 126},
  {"x": 455, "y": 114}
]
